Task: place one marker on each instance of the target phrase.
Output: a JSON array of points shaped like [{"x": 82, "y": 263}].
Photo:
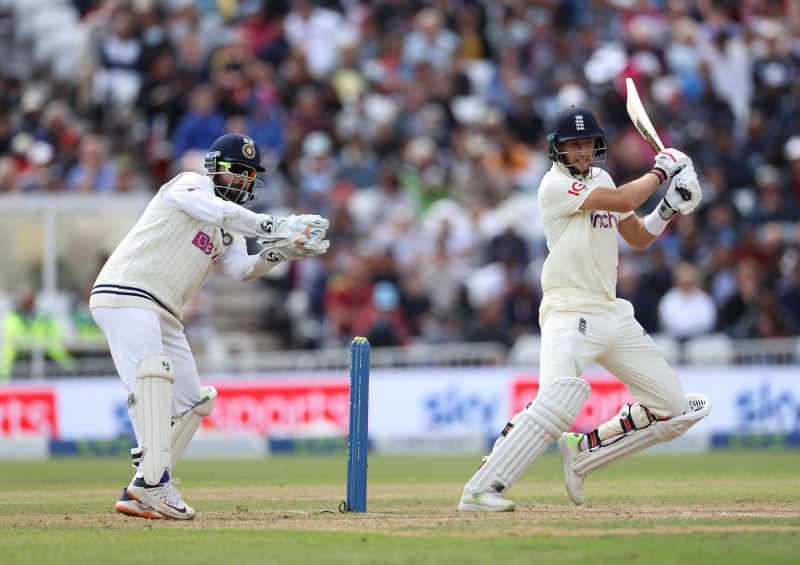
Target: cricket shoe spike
[
  {"x": 484, "y": 502},
  {"x": 164, "y": 498},
  {"x": 569, "y": 446},
  {"x": 130, "y": 507}
]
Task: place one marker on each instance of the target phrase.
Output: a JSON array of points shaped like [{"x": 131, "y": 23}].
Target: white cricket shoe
[
  {"x": 484, "y": 502},
  {"x": 569, "y": 446},
  {"x": 130, "y": 507},
  {"x": 164, "y": 498}
]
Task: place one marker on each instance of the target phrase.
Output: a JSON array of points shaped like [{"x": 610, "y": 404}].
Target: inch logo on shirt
[
  {"x": 205, "y": 243},
  {"x": 603, "y": 219},
  {"x": 577, "y": 188}
]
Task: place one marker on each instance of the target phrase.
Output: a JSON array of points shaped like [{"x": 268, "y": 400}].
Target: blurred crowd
[{"x": 418, "y": 129}]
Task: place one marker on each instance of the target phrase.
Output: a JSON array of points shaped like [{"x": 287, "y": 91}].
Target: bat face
[{"x": 639, "y": 117}]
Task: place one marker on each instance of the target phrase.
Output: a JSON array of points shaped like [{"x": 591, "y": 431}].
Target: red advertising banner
[
  {"x": 608, "y": 396},
  {"x": 281, "y": 408},
  {"x": 28, "y": 411}
]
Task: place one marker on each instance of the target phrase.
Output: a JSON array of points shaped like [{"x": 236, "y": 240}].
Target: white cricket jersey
[
  {"x": 168, "y": 255},
  {"x": 580, "y": 272}
]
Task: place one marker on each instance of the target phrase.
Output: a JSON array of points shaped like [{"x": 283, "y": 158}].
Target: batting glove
[
  {"x": 669, "y": 163},
  {"x": 683, "y": 195}
]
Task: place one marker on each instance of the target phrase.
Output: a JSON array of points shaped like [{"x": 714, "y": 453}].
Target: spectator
[
  {"x": 162, "y": 93},
  {"x": 43, "y": 175},
  {"x": 381, "y": 320},
  {"x": 358, "y": 163},
  {"x": 748, "y": 286},
  {"x": 348, "y": 289},
  {"x": 26, "y": 330},
  {"x": 316, "y": 170},
  {"x": 312, "y": 31},
  {"x": 630, "y": 287},
  {"x": 200, "y": 125},
  {"x": 773, "y": 204},
  {"x": 429, "y": 42},
  {"x": 764, "y": 320},
  {"x": 489, "y": 325},
  {"x": 264, "y": 121},
  {"x": 94, "y": 172},
  {"x": 117, "y": 81},
  {"x": 686, "y": 310}
]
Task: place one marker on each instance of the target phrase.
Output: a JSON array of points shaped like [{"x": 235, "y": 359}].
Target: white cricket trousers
[
  {"x": 134, "y": 333},
  {"x": 572, "y": 340}
]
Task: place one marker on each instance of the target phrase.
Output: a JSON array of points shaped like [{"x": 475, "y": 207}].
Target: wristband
[
  {"x": 659, "y": 173},
  {"x": 655, "y": 222}
]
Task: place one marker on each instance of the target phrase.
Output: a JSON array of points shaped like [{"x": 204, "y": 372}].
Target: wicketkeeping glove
[
  {"x": 274, "y": 229},
  {"x": 683, "y": 195},
  {"x": 309, "y": 245},
  {"x": 669, "y": 163}
]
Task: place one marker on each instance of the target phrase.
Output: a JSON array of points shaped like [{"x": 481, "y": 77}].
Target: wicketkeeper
[
  {"x": 194, "y": 224},
  {"x": 583, "y": 321}
]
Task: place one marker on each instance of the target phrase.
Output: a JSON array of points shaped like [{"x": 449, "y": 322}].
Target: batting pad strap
[
  {"x": 535, "y": 428},
  {"x": 185, "y": 426},
  {"x": 153, "y": 406},
  {"x": 642, "y": 438}
]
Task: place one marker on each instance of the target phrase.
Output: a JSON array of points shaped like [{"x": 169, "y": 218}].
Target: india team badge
[{"x": 249, "y": 148}]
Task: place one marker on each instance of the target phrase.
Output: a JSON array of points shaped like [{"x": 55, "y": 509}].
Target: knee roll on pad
[
  {"x": 153, "y": 406},
  {"x": 536, "y": 427},
  {"x": 637, "y": 440},
  {"x": 699, "y": 408}
]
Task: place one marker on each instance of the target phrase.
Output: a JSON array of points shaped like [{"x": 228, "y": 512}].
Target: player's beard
[{"x": 581, "y": 169}]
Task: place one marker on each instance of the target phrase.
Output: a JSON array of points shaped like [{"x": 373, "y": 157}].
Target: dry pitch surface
[
  {"x": 735, "y": 508},
  {"x": 397, "y": 512}
]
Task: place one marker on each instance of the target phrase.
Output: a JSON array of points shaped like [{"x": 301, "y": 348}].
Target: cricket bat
[{"x": 639, "y": 117}]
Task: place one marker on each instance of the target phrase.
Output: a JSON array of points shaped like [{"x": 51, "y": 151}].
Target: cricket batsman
[
  {"x": 583, "y": 321},
  {"x": 194, "y": 224}
]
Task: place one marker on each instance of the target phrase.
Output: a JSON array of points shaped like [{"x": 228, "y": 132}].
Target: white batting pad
[
  {"x": 185, "y": 425},
  {"x": 637, "y": 440},
  {"x": 540, "y": 424},
  {"x": 153, "y": 405}
]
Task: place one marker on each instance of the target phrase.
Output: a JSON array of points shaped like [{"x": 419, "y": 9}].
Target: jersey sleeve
[
  {"x": 194, "y": 194},
  {"x": 561, "y": 196},
  {"x": 238, "y": 265},
  {"x": 606, "y": 180}
]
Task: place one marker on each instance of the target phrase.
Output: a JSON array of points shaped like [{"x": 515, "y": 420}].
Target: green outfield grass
[{"x": 735, "y": 507}]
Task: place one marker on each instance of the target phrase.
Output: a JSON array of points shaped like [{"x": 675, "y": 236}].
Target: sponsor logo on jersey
[
  {"x": 604, "y": 220},
  {"x": 205, "y": 243},
  {"x": 577, "y": 188}
]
